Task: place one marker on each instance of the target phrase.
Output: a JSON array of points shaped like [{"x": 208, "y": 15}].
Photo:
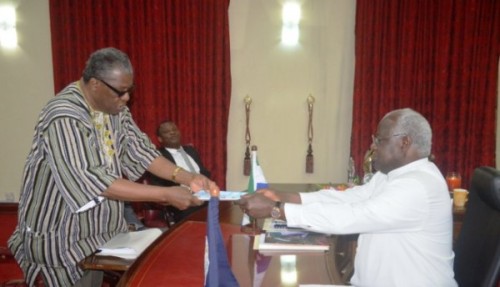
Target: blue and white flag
[
  {"x": 218, "y": 272},
  {"x": 255, "y": 182}
]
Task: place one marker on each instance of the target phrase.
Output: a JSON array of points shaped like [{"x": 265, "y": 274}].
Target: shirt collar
[
  {"x": 173, "y": 150},
  {"x": 408, "y": 167}
]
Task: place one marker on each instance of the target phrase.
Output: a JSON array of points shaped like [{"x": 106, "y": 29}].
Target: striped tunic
[{"x": 66, "y": 169}]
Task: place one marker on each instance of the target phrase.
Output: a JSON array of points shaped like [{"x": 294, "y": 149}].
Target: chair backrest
[{"x": 477, "y": 252}]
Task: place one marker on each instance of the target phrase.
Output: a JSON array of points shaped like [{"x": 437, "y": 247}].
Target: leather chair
[
  {"x": 477, "y": 252},
  {"x": 155, "y": 218}
]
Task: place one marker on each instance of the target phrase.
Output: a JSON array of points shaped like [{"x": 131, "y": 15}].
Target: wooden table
[
  {"x": 227, "y": 214},
  {"x": 162, "y": 261},
  {"x": 177, "y": 258}
]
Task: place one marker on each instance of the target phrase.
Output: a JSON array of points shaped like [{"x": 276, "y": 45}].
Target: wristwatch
[{"x": 276, "y": 211}]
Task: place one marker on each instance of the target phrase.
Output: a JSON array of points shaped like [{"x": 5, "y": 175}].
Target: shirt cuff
[
  {"x": 95, "y": 201},
  {"x": 292, "y": 214}
]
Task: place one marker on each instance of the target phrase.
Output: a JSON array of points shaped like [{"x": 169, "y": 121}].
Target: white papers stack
[
  {"x": 279, "y": 238},
  {"x": 129, "y": 245}
]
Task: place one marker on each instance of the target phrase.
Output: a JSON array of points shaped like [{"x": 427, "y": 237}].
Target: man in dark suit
[{"x": 185, "y": 156}]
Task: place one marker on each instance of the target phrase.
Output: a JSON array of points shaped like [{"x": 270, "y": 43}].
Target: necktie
[{"x": 187, "y": 160}]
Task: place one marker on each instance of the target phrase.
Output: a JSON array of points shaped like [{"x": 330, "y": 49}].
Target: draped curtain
[
  {"x": 180, "y": 53},
  {"x": 439, "y": 58}
]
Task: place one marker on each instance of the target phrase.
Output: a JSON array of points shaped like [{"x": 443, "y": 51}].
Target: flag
[
  {"x": 255, "y": 182},
  {"x": 217, "y": 270}
]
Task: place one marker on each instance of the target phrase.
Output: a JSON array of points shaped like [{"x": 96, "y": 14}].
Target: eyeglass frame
[
  {"x": 117, "y": 92},
  {"x": 376, "y": 140}
]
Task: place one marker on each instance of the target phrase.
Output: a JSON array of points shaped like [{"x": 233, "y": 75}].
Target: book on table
[
  {"x": 279, "y": 237},
  {"x": 129, "y": 245}
]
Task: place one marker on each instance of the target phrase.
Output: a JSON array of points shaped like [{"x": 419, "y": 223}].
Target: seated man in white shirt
[{"x": 403, "y": 214}]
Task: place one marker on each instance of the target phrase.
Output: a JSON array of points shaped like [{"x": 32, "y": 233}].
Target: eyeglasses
[
  {"x": 376, "y": 140},
  {"x": 117, "y": 92}
]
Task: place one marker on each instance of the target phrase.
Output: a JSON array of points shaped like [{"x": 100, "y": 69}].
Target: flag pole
[
  {"x": 249, "y": 224},
  {"x": 251, "y": 228}
]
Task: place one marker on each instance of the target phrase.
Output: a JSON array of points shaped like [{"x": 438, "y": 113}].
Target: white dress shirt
[
  {"x": 405, "y": 223},
  {"x": 179, "y": 160}
]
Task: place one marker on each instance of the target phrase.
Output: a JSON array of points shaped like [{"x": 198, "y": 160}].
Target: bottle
[
  {"x": 367, "y": 166},
  {"x": 351, "y": 172}
]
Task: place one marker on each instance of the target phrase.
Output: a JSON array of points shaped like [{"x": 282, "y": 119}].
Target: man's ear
[
  {"x": 159, "y": 139},
  {"x": 406, "y": 143},
  {"x": 407, "y": 140},
  {"x": 93, "y": 83}
]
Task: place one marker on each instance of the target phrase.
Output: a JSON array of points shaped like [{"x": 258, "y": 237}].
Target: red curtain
[
  {"x": 439, "y": 58},
  {"x": 180, "y": 52}
]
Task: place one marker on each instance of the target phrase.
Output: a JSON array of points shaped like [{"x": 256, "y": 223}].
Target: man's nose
[{"x": 125, "y": 97}]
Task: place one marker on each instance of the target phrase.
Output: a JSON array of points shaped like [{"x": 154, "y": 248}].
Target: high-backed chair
[{"x": 477, "y": 252}]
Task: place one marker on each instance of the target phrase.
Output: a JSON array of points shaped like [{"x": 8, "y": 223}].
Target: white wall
[
  {"x": 279, "y": 80},
  {"x": 26, "y": 84}
]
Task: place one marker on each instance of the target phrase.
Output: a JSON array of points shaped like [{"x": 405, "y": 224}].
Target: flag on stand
[
  {"x": 218, "y": 273},
  {"x": 256, "y": 181}
]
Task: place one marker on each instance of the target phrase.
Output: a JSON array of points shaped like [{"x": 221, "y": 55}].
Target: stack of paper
[
  {"x": 130, "y": 245},
  {"x": 279, "y": 237}
]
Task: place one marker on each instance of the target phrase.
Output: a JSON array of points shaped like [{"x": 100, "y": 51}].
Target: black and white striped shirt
[{"x": 65, "y": 169}]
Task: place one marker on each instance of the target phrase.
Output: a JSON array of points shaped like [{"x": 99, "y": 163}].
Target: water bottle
[{"x": 351, "y": 172}]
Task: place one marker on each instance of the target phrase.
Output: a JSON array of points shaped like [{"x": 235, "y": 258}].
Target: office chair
[{"x": 477, "y": 252}]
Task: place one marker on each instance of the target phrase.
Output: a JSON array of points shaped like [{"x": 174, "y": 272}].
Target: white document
[
  {"x": 129, "y": 245},
  {"x": 224, "y": 195}
]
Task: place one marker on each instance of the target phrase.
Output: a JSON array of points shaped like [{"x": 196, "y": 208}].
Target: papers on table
[
  {"x": 129, "y": 245},
  {"x": 224, "y": 195},
  {"x": 290, "y": 242},
  {"x": 276, "y": 225},
  {"x": 279, "y": 237}
]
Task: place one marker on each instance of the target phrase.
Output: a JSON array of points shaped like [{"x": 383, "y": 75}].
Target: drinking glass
[{"x": 454, "y": 180}]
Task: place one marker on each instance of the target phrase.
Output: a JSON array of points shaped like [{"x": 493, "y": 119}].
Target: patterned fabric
[{"x": 67, "y": 168}]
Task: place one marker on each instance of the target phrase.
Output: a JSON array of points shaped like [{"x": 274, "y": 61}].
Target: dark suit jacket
[
  {"x": 192, "y": 152},
  {"x": 177, "y": 214}
]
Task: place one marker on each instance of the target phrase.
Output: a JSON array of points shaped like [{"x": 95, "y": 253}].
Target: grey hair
[
  {"x": 416, "y": 127},
  {"x": 105, "y": 60}
]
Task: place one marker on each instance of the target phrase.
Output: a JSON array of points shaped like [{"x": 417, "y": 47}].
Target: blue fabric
[
  {"x": 262, "y": 185},
  {"x": 219, "y": 272}
]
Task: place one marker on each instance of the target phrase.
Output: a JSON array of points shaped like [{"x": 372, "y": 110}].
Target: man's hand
[
  {"x": 201, "y": 182},
  {"x": 257, "y": 205},
  {"x": 182, "y": 197},
  {"x": 269, "y": 194}
]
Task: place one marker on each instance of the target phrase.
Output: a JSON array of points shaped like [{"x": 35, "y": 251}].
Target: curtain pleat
[
  {"x": 180, "y": 52},
  {"x": 439, "y": 58}
]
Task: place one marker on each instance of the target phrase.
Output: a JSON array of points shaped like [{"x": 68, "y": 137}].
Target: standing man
[
  {"x": 185, "y": 156},
  {"x": 85, "y": 144},
  {"x": 403, "y": 214}
]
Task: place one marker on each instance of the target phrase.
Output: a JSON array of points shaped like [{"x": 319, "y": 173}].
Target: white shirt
[
  {"x": 179, "y": 160},
  {"x": 405, "y": 221}
]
